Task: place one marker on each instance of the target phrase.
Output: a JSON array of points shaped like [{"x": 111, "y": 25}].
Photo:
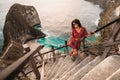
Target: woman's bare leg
[
  {"x": 75, "y": 52},
  {"x": 71, "y": 52}
]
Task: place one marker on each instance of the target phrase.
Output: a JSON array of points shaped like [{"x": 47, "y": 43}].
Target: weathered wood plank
[
  {"x": 111, "y": 40},
  {"x": 67, "y": 49},
  {"x": 54, "y": 59},
  {"x": 12, "y": 70},
  {"x": 34, "y": 67}
]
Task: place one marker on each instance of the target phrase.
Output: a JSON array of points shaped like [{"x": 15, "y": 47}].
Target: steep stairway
[{"x": 85, "y": 67}]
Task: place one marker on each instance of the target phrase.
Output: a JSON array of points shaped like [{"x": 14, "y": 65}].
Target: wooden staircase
[{"x": 87, "y": 68}]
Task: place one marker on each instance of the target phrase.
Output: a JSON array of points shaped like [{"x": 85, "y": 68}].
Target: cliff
[
  {"x": 18, "y": 29},
  {"x": 111, "y": 10},
  {"x": 110, "y": 13}
]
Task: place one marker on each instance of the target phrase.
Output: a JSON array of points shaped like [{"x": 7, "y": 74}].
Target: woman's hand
[
  {"x": 69, "y": 42},
  {"x": 76, "y": 39},
  {"x": 93, "y": 32}
]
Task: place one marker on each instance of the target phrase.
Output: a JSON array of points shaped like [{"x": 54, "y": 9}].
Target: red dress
[{"x": 75, "y": 40}]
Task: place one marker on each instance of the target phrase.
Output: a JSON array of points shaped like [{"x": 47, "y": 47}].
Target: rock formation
[
  {"x": 109, "y": 14},
  {"x": 111, "y": 10},
  {"x": 18, "y": 29}
]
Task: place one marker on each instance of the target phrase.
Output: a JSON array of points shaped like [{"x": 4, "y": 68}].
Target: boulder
[{"x": 18, "y": 29}]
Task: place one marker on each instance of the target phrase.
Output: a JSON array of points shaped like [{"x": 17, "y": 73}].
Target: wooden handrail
[
  {"x": 107, "y": 25},
  {"x": 52, "y": 50},
  {"x": 18, "y": 65},
  {"x": 54, "y": 57},
  {"x": 12, "y": 70}
]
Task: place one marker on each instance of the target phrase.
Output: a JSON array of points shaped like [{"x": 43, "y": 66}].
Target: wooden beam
[
  {"x": 107, "y": 25},
  {"x": 12, "y": 70},
  {"x": 52, "y": 47},
  {"x": 34, "y": 68},
  {"x": 111, "y": 40},
  {"x": 67, "y": 49}
]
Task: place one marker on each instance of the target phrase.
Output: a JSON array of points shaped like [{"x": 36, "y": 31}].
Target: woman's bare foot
[{"x": 74, "y": 56}]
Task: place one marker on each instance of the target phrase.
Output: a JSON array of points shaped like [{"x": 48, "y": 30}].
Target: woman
[{"x": 78, "y": 34}]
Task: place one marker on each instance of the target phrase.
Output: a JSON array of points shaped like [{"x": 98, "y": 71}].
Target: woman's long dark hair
[{"x": 76, "y": 21}]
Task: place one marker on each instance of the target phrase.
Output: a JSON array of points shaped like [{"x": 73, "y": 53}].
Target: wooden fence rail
[
  {"x": 11, "y": 71},
  {"x": 14, "y": 69}
]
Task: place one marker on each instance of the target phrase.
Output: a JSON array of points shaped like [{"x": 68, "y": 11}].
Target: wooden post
[
  {"x": 83, "y": 43},
  {"x": 34, "y": 67},
  {"x": 116, "y": 48},
  {"x": 18, "y": 78},
  {"x": 52, "y": 47},
  {"x": 50, "y": 56},
  {"x": 40, "y": 55},
  {"x": 24, "y": 74},
  {"x": 43, "y": 71},
  {"x": 67, "y": 50}
]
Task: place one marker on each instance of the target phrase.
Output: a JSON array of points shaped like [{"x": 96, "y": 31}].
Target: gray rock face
[
  {"x": 19, "y": 27},
  {"x": 110, "y": 12}
]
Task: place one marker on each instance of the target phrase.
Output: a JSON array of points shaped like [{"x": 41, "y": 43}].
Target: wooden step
[
  {"x": 104, "y": 69},
  {"x": 50, "y": 62},
  {"x": 56, "y": 67},
  {"x": 81, "y": 57},
  {"x": 59, "y": 68},
  {"x": 63, "y": 69},
  {"x": 51, "y": 68},
  {"x": 77, "y": 67},
  {"x": 84, "y": 70},
  {"x": 115, "y": 75},
  {"x": 48, "y": 65}
]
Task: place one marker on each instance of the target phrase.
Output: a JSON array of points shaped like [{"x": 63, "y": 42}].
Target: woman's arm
[
  {"x": 71, "y": 36},
  {"x": 69, "y": 41},
  {"x": 88, "y": 34}
]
